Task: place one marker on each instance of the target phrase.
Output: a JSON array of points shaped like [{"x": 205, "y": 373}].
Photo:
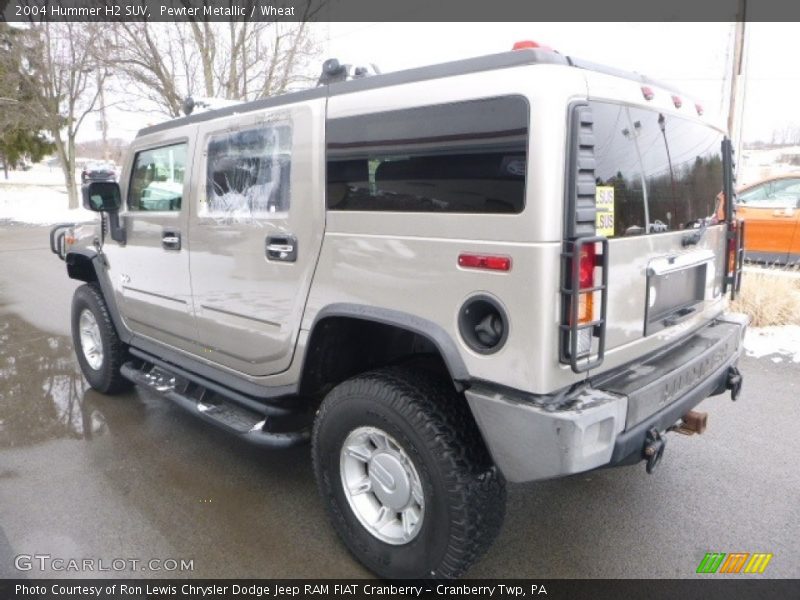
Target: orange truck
[{"x": 771, "y": 211}]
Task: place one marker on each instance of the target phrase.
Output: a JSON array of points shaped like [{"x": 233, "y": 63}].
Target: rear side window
[
  {"x": 465, "y": 157},
  {"x": 248, "y": 173},
  {"x": 157, "y": 179},
  {"x": 655, "y": 173}
]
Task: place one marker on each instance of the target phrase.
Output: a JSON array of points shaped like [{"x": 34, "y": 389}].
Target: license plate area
[{"x": 675, "y": 290}]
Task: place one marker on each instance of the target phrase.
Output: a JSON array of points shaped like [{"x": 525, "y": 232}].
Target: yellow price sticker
[{"x": 604, "y": 201}]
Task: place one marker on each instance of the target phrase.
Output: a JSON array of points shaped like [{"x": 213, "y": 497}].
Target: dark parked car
[{"x": 98, "y": 171}]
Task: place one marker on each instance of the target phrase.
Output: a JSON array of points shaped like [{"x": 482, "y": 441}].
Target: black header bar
[{"x": 399, "y": 10}]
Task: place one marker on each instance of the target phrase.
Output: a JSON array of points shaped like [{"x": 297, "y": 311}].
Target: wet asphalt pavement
[{"x": 83, "y": 475}]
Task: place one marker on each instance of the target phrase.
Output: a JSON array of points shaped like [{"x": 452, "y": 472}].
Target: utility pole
[
  {"x": 103, "y": 120},
  {"x": 735, "y": 104}
]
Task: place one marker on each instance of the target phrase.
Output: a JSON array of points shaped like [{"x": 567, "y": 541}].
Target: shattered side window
[{"x": 247, "y": 173}]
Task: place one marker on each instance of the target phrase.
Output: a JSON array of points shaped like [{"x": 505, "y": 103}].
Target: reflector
[{"x": 484, "y": 261}]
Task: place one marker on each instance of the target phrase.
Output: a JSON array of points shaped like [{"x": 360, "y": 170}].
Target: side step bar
[
  {"x": 266, "y": 430},
  {"x": 246, "y": 401}
]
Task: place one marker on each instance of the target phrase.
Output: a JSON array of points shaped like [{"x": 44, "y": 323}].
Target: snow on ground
[
  {"x": 768, "y": 341},
  {"x": 40, "y": 205},
  {"x": 38, "y": 196},
  {"x": 39, "y": 174}
]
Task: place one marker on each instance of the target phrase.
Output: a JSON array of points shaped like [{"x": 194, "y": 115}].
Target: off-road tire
[
  {"x": 464, "y": 492},
  {"x": 107, "y": 379}
]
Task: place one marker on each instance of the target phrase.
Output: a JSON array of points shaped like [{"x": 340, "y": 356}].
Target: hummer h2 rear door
[
  {"x": 657, "y": 172},
  {"x": 257, "y": 223}
]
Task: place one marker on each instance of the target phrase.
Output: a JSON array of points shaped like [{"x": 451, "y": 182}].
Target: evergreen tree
[{"x": 20, "y": 128}]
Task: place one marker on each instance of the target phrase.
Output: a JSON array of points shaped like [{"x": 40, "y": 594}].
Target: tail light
[
  {"x": 733, "y": 239},
  {"x": 734, "y": 251},
  {"x": 583, "y": 321},
  {"x": 734, "y": 257},
  {"x": 586, "y": 266}
]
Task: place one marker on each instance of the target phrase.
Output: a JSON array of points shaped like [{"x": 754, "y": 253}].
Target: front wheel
[
  {"x": 405, "y": 475},
  {"x": 99, "y": 350}
]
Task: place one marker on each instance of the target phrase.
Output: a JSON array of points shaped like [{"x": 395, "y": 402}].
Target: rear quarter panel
[{"x": 407, "y": 262}]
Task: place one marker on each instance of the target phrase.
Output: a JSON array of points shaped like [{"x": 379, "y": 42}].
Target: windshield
[{"x": 656, "y": 173}]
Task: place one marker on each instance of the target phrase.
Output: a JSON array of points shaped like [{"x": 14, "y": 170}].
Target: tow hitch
[
  {"x": 654, "y": 445},
  {"x": 734, "y": 383},
  {"x": 691, "y": 423}
]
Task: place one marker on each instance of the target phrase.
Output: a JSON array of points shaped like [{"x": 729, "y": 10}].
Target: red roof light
[
  {"x": 647, "y": 93},
  {"x": 530, "y": 45},
  {"x": 676, "y": 100},
  {"x": 699, "y": 108}
]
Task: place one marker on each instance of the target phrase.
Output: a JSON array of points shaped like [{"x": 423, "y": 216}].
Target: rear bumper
[{"x": 606, "y": 422}]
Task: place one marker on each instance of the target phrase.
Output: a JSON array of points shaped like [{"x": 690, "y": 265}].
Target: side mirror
[{"x": 102, "y": 196}]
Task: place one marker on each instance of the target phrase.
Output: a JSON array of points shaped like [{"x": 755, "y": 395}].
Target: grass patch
[{"x": 771, "y": 297}]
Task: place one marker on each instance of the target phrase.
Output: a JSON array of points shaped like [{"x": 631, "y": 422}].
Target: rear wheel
[
  {"x": 99, "y": 350},
  {"x": 405, "y": 475}
]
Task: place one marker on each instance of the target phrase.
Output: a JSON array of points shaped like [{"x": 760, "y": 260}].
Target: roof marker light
[
  {"x": 530, "y": 45},
  {"x": 647, "y": 93},
  {"x": 699, "y": 108},
  {"x": 676, "y": 100}
]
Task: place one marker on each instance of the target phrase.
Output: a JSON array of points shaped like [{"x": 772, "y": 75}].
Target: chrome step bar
[{"x": 259, "y": 428}]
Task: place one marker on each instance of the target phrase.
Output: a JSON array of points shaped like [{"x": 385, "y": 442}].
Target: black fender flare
[
  {"x": 434, "y": 332},
  {"x": 86, "y": 264},
  {"x": 80, "y": 264}
]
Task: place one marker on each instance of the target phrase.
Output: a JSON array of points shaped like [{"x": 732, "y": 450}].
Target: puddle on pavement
[
  {"x": 43, "y": 395},
  {"x": 162, "y": 486}
]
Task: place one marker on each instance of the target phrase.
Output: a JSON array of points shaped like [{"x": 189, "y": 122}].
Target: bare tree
[
  {"x": 63, "y": 77},
  {"x": 163, "y": 63}
]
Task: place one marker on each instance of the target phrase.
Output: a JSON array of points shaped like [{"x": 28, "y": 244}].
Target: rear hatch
[{"x": 657, "y": 177}]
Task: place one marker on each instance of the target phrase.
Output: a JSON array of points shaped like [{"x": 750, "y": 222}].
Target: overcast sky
[{"x": 694, "y": 57}]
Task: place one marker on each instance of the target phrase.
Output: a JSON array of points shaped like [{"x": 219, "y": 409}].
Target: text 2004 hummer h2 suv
[{"x": 503, "y": 268}]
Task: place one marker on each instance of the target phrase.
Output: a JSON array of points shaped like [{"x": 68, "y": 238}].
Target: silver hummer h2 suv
[{"x": 508, "y": 268}]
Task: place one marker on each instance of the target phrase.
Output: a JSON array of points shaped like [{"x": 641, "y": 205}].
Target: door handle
[
  {"x": 171, "y": 240},
  {"x": 281, "y": 248}
]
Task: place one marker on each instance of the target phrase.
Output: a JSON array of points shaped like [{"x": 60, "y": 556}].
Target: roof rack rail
[
  {"x": 343, "y": 79},
  {"x": 631, "y": 75}
]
